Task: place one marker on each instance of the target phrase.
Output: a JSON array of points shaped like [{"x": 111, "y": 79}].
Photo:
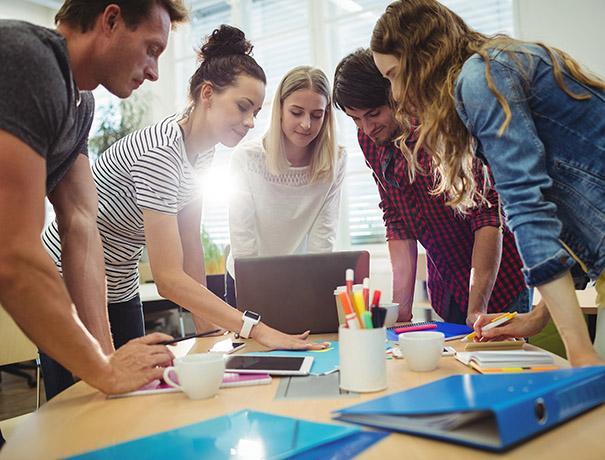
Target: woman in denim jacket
[{"x": 537, "y": 119}]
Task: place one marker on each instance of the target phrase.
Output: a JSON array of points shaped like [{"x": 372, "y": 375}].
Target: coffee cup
[
  {"x": 199, "y": 375},
  {"x": 421, "y": 350}
]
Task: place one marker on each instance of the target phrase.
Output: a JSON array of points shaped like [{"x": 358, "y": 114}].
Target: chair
[{"x": 15, "y": 347}]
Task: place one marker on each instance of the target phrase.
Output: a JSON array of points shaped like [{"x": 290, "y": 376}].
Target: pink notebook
[{"x": 229, "y": 380}]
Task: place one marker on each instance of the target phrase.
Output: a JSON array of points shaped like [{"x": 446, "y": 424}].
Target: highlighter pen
[
  {"x": 358, "y": 304},
  {"x": 366, "y": 318},
  {"x": 349, "y": 276},
  {"x": 350, "y": 316},
  {"x": 497, "y": 321},
  {"x": 366, "y": 293}
]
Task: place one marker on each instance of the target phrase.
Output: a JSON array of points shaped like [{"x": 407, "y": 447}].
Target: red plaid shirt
[{"x": 411, "y": 212}]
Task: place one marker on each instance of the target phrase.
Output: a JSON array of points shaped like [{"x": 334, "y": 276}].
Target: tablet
[{"x": 273, "y": 365}]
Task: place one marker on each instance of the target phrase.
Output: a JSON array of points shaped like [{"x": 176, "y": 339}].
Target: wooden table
[{"x": 82, "y": 419}]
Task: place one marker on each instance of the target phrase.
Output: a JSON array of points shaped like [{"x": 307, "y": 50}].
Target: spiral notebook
[{"x": 451, "y": 331}]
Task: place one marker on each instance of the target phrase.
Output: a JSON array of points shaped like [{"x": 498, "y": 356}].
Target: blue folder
[
  {"x": 492, "y": 412},
  {"x": 451, "y": 331},
  {"x": 236, "y": 435}
]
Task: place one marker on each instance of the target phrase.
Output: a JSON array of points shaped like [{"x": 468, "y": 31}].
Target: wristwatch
[{"x": 250, "y": 319}]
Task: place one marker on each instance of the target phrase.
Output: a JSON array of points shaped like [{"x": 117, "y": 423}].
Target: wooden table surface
[{"x": 82, "y": 419}]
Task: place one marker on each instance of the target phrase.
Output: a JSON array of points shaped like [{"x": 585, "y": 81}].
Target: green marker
[{"x": 366, "y": 319}]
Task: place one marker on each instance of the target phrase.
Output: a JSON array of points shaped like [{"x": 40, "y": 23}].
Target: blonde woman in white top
[{"x": 287, "y": 183}]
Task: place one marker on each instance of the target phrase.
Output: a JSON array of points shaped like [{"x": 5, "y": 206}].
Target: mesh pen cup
[{"x": 363, "y": 366}]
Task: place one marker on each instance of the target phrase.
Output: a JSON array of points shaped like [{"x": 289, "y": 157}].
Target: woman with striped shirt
[{"x": 148, "y": 197}]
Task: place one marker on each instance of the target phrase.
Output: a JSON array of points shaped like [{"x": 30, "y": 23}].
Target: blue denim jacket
[{"x": 549, "y": 165}]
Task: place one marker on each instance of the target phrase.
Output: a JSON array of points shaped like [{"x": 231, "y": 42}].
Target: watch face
[{"x": 252, "y": 315}]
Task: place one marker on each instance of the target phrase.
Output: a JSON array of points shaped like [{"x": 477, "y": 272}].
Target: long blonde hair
[
  {"x": 432, "y": 43},
  {"x": 323, "y": 157}
]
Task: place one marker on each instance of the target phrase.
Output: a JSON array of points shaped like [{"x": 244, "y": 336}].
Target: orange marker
[{"x": 350, "y": 316}]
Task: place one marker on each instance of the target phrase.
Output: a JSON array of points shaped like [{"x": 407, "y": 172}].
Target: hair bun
[{"x": 225, "y": 41}]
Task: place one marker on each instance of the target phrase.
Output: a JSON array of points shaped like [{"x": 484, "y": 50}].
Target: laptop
[{"x": 295, "y": 293}]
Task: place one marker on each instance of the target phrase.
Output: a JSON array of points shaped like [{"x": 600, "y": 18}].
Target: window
[{"x": 288, "y": 33}]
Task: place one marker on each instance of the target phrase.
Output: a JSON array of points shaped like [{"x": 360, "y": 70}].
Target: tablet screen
[{"x": 265, "y": 363}]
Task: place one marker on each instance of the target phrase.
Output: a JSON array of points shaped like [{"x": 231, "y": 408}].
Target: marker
[
  {"x": 375, "y": 299},
  {"x": 349, "y": 276},
  {"x": 359, "y": 305},
  {"x": 366, "y": 293},
  {"x": 350, "y": 316},
  {"x": 367, "y": 320},
  {"x": 497, "y": 321},
  {"x": 379, "y": 314}
]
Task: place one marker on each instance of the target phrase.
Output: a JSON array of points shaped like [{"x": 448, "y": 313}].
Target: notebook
[
  {"x": 295, "y": 293},
  {"x": 451, "y": 331},
  {"x": 243, "y": 434},
  {"x": 507, "y": 361}
]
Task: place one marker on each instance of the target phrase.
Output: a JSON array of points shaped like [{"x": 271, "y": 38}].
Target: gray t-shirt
[{"x": 39, "y": 101}]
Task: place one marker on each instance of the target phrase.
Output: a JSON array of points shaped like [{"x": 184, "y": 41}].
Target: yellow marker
[{"x": 359, "y": 305}]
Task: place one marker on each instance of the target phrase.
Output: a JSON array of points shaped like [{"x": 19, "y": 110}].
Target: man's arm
[
  {"x": 485, "y": 263},
  {"x": 32, "y": 291},
  {"x": 189, "y": 220},
  {"x": 404, "y": 257},
  {"x": 75, "y": 203}
]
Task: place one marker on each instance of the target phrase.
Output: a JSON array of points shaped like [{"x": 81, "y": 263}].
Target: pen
[
  {"x": 366, "y": 293},
  {"x": 497, "y": 321},
  {"x": 190, "y": 336},
  {"x": 349, "y": 275}
]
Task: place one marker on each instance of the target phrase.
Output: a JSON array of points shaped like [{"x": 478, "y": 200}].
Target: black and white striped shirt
[{"x": 147, "y": 169}]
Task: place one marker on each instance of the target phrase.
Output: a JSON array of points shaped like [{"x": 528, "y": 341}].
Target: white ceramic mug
[
  {"x": 421, "y": 350},
  {"x": 200, "y": 375},
  {"x": 392, "y": 313}
]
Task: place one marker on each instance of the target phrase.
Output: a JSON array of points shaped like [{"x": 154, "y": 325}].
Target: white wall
[
  {"x": 575, "y": 26},
  {"x": 26, "y": 11}
]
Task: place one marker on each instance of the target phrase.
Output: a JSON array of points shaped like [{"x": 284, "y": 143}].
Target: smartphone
[
  {"x": 273, "y": 365},
  {"x": 227, "y": 346}
]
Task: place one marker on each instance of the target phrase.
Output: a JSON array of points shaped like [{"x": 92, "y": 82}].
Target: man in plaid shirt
[{"x": 473, "y": 265}]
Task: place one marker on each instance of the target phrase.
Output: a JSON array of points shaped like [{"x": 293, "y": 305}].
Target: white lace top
[{"x": 279, "y": 214}]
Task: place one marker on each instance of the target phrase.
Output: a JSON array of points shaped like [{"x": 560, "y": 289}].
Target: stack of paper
[{"x": 507, "y": 361}]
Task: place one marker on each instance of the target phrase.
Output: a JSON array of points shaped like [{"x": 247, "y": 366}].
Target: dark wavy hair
[{"x": 358, "y": 83}]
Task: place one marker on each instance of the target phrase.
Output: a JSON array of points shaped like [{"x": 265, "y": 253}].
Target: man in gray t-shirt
[{"x": 45, "y": 116}]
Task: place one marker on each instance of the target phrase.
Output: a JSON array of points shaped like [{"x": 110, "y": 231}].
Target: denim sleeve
[{"x": 517, "y": 162}]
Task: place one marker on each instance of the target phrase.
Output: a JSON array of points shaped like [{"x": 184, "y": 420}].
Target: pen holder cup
[{"x": 363, "y": 366}]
